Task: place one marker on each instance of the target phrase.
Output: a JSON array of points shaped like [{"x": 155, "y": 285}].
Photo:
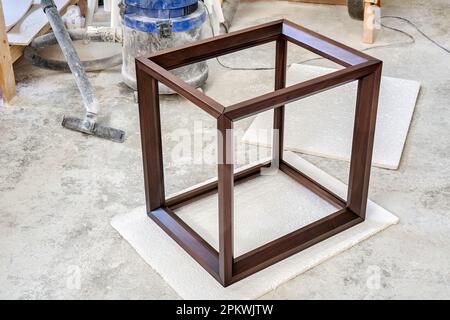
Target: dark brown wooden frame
[{"x": 222, "y": 265}]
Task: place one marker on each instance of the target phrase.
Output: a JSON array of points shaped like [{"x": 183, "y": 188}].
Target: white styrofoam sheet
[
  {"x": 322, "y": 124},
  {"x": 255, "y": 223},
  {"x": 14, "y": 10},
  {"x": 29, "y": 25}
]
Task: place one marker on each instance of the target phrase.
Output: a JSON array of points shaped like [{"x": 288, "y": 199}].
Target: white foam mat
[
  {"x": 255, "y": 224},
  {"x": 14, "y": 10},
  {"x": 322, "y": 124}
]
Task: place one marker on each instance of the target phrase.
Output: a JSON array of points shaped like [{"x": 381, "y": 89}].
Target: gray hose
[
  {"x": 106, "y": 35},
  {"x": 65, "y": 43}
]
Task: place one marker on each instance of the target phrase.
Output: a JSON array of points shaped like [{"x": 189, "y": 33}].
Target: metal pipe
[{"x": 74, "y": 62}]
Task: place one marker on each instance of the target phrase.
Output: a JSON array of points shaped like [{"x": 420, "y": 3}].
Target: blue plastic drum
[{"x": 153, "y": 25}]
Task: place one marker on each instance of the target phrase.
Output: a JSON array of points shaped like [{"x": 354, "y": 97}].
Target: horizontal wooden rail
[
  {"x": 298, "y": 91},
  {"x": 197, "y": 97},
  {"x": 312, "y": 185},
  {"x": 209, "y": 187},
  {"x": 217, "y": 46},
  {"x": 186, "y": 237},
  {"x": 293, "y": 242},
  {"x": 323, "y": 46}
]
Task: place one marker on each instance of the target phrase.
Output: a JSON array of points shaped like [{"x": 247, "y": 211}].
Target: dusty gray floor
[{"x": 59, "y": 189}]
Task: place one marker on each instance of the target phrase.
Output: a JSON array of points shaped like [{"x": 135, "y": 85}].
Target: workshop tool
[{"x": 89, "y": 123}]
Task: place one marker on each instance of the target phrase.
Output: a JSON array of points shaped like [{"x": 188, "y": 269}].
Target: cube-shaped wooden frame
[{"x": 222, "y": 265}]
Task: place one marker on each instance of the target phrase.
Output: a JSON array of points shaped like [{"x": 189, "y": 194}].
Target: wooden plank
[
  {"x": 32, "y": 23},
  {"x": 7, "y": 80},
  {"x": 83, "y": 7},
  {"x": 368, "y": 23},
  {"x": 17, "y": 50}
]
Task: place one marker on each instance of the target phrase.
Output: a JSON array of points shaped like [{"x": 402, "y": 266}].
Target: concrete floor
[{"x": 59, "y": 189}]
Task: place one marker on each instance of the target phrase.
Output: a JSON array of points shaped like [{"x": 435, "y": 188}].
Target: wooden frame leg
[
  {"x": 7, "y": 80},
  {"x": 226, "y": 204},
  {"x": 363, "y": 136},
  {"x": 278, "y": 113},
  {"x": 150, "y": 124}
]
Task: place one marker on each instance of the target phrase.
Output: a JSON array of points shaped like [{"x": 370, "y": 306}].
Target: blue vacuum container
[{"x": 153, "y": 25}]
